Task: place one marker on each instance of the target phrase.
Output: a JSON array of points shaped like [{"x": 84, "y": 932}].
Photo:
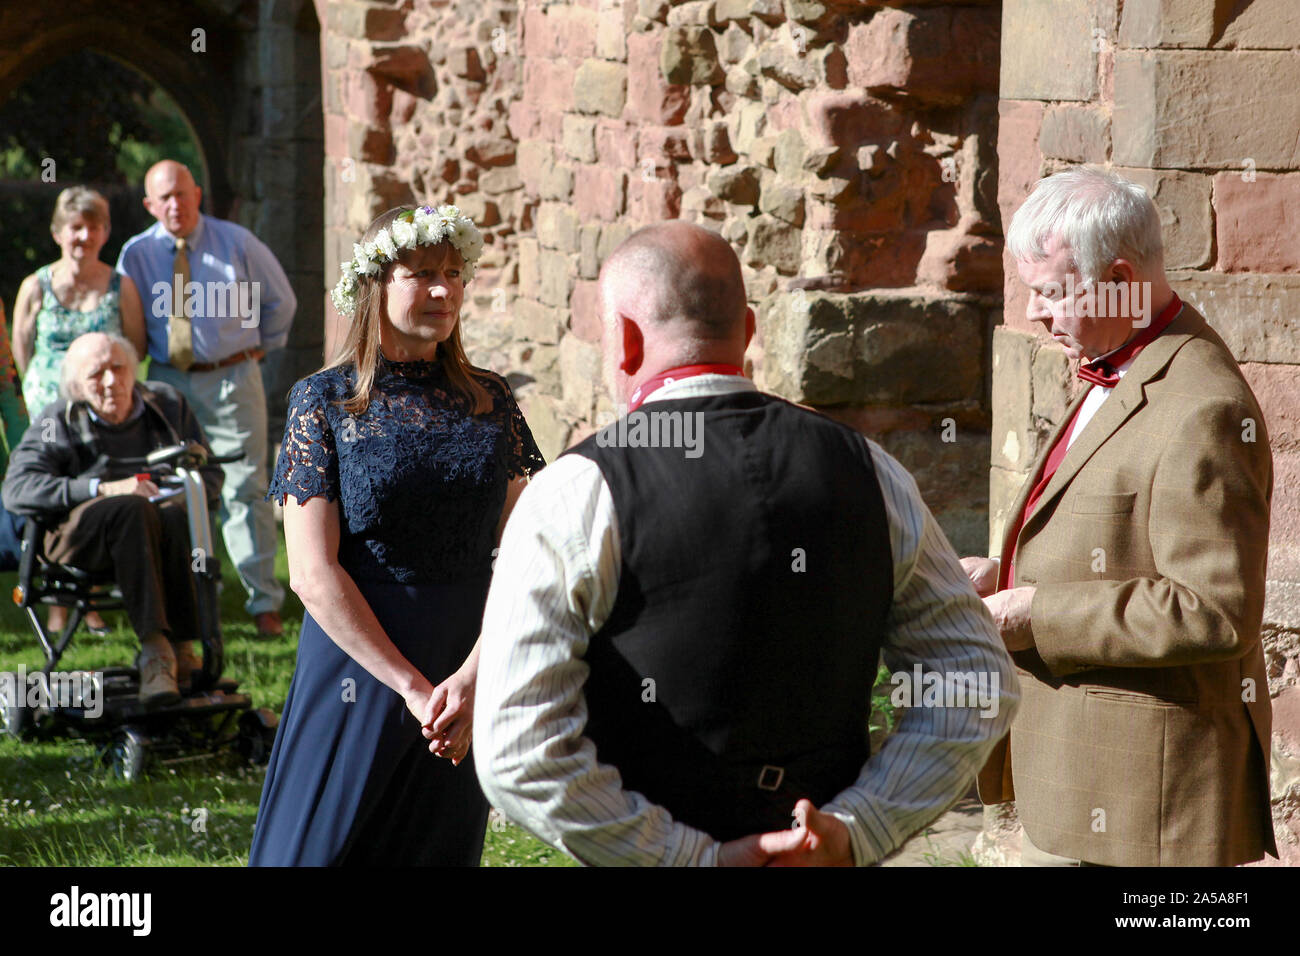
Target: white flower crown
[{"x": 415, "y": 227}]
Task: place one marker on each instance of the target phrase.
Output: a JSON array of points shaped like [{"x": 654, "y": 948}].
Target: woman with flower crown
[{"x": 399, "y": 466}]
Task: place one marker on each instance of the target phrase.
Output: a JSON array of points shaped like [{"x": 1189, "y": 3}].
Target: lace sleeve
[
  {"x": 308, "y": 464},
  {"x": 522, "y": 454}
]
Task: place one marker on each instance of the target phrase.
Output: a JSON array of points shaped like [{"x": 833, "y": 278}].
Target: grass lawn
[{"x": 59, "y": 807}]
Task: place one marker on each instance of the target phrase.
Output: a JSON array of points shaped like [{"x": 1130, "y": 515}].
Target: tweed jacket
[{"x": 1143, "y": 735}]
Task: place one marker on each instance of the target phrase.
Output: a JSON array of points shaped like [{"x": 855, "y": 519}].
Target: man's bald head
[
  {"x": 172, "y": 197},
  {"x": 678, "y": 274}
]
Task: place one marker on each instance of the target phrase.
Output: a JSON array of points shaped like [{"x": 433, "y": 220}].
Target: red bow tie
[{"x": 1104, "y": 371}]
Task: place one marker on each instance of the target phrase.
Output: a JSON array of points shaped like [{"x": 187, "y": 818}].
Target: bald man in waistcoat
[{"x": 689, "y": 609}]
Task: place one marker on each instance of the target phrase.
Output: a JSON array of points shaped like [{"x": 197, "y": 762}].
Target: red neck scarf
[
  {"x": 652, "y": 385},
  {"x": 1104, "y": 371}
]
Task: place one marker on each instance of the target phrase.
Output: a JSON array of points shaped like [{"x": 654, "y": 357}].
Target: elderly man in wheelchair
[{"x": 101, "y": 516}]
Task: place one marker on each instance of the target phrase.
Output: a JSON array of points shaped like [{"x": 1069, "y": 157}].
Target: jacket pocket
[
  {"x": 1103, "y": 504},
  {"x": 1133, "y": 697}
]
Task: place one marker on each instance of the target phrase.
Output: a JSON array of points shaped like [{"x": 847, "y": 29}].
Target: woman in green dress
[
  {"x": 66, "y": 299},
  {"x": 70, "y": 297},
  {"x": 13, "y": 422}
]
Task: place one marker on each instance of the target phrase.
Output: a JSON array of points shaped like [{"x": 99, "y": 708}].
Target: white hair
[
  {"x": 70, "y": 382},
  {"x": 1095, "y": 214}
]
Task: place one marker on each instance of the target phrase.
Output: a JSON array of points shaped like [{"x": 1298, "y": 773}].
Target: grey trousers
[{"x": 231, "y": 406}]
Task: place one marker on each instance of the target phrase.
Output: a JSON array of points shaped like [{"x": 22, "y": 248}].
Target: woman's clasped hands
[{"x": 446, "y": 716}]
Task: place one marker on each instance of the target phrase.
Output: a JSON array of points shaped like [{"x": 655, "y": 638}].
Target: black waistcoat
[{"x": 734, "y": 673}]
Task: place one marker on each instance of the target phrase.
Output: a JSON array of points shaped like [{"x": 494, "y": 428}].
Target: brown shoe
[
  {"x": 268, "y": 624},
  {"x": 158, "y": 678},
  {"x": 188, "y": 660}
]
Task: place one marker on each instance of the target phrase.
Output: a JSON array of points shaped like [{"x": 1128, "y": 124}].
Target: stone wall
[
  {"x": 847, "y": 152},
  {"x": 1197, "y": 100}
]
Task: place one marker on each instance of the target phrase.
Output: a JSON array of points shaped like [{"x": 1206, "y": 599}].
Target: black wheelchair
[{"x": 102, "y": 706}]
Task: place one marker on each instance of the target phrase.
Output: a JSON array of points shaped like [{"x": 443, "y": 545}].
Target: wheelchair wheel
[
  {"x": 256, "y": 735},
  {"x": 13, "y": 713},
  {"x": 128, "y": 755}
]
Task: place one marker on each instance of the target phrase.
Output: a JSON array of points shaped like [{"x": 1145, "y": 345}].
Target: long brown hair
[{"x": 361, "y": 346}]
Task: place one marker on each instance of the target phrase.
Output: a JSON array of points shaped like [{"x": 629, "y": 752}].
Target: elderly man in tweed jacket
[{"x": 1130, "y": 587}]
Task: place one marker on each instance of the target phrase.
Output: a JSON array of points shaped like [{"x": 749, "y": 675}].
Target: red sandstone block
[
  {"x": 556, "y": 90},
  {"x": 1277, "y": 387},
  {"x": 539, "y": 34},
  {"x": 599, "y": 193},
  {"x": 850, "y": 119},
  {"x": 1019, "y": 161},
  {"x": 584, "y": 317},
  {"x": 651, "y": 98},
  {"x": 550, "y": 126},
  {"x": 523, "y": 120},
  {"x": 616, "y": 144},
  {"x": 336, "y": 135},
  {"x": 653, "y": 201},
  {"x": 961, "y": 262},
  {"x": 1015, "y": 298},
  {"x": 940, "y": 55},
  {"x": 1256, "y": 216},
  {"x": 548, "y": 84},
  {"x": 366, "y": 99},
  {"x": 660, "y": 142},
  {"x": 575, "y": 31}
]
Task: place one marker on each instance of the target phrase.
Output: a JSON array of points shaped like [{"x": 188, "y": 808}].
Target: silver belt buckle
[{"x": 773, "y": 774}]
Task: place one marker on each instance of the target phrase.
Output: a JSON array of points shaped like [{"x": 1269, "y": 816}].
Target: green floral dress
[
  {"x": 56, "y": 328},
  {"x": 13, "y": 412}
]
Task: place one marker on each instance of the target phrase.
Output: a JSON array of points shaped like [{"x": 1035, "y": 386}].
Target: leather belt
[{"x": 229, "y": 360}]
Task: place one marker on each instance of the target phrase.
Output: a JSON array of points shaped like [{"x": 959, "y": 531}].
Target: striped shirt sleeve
[
  {"x": 939, "y": 624},
  {"x": 553, "y": 587}
]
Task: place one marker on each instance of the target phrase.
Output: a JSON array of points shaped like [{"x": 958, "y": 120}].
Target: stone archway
[{"x": 246, "y": 74}]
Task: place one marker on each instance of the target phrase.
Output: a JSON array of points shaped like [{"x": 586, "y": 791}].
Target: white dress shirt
[{"x": 554, "y": 586}]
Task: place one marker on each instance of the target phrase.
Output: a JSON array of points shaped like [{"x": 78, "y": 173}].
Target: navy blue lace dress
[{"x": 420, "y": 484}]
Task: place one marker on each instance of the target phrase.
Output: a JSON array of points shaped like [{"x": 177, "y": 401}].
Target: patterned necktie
[{"x": 180, "y": 350}]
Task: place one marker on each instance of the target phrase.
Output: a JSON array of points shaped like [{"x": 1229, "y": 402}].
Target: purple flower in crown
[{"x": 427, "y": 210}]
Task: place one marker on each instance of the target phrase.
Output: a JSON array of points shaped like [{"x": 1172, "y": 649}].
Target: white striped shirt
[{"x": 554, "y": 586}]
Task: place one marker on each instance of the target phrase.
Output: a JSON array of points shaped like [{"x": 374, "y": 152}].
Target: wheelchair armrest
[{"x": 33, "y": 535}]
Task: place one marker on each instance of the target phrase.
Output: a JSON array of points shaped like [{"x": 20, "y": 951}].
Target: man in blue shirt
[{"x": 216, "y": 300}]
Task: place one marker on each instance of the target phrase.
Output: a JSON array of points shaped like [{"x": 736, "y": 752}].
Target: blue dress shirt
[{"x": 239, "y": 297}]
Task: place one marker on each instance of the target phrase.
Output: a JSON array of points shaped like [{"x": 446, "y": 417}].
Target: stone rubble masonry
[
  {"x": 1196, "y": 100},
  {"x": 849, "y": 156}
]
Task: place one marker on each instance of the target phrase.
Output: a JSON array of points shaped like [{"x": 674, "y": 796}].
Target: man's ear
[
  {"x": 198, "y": 203},
  {"x": 1122, "y": 271},
  {"x": 750, "y": 325},
  {"x": 633, "y": 345}
]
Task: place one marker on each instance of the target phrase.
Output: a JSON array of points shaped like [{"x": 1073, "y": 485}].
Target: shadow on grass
[{"x": 59, "y": 807}]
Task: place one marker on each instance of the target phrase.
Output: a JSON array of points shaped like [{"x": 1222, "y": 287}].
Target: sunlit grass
[{"x": 59, "y": 807}]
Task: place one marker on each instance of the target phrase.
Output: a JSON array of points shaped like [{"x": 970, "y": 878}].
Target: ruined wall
[
  {"x": 846, "y": 151},
  {"x": 1197, "y": 100}
]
